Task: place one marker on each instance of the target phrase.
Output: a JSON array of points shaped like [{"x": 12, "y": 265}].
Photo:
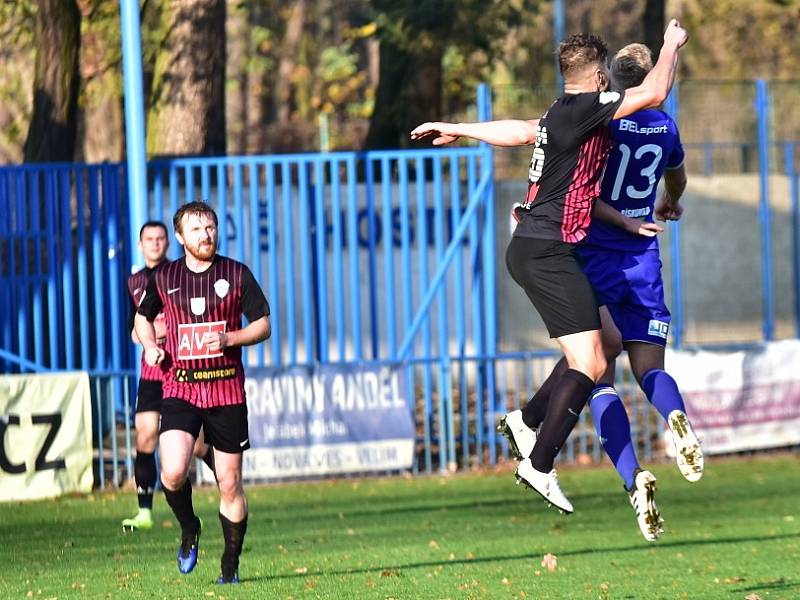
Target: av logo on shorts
[
  {"x": 198, "y": 306},
  {"x": 191, "y": 340},
  {"x": 221, "y": 286},
  {"x": 658, "y": 329}
]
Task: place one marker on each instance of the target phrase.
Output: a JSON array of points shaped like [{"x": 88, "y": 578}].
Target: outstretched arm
[
  {"x": 508, "y": 132},
  {"x": 658, "y": 82}
]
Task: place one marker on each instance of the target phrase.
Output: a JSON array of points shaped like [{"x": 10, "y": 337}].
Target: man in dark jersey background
[
  {"x": 204, "y": 296},
  {"x": 571, "y": 146},
  {"x": 153, "y": 243}
]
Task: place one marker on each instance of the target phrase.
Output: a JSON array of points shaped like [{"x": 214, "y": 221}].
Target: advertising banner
[
  {"x": 45, "y": 435},
  {"x": 743, "y": 400},
  {"x": 332, "y": 419}
]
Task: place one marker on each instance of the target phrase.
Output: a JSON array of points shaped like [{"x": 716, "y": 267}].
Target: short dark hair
[
  {"x": 153, "y": 224},
  {"x": 631, "y": 65},
  {"x": 579, "y": 51},
  {"x": 197, "y": 207}
]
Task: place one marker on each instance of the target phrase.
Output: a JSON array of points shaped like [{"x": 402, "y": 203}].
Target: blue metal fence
[{"x": 376, "y": 257}]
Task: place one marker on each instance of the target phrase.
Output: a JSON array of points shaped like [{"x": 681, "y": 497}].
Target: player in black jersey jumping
[{"x": 572, "y": 143}]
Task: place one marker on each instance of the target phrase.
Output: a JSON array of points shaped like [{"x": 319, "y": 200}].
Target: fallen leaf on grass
[
  {"x": 433, "y": 544},
  {"x": 390, "y": 573},
  {"x": 735, "y": 579},
  {"x": 301, "y": 570},
  {"x": 752, "y": 597},
  {"x": 550, "y": 561}
]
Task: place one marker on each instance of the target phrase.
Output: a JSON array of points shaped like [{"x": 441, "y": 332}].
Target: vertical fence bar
[
  {"x": 353, "y": 252},
  {"x": 158, "y": 197},
  {"x": 188, "y": 184},
  {"x": 222, "y": 206},
  {"x": 407, "y": 298},
  {"x": 307, "y": 288},
  {"x": 5, "y": 290},
  {"x": 372, "y": 253},
  {"x": 255, "y": 241},
  {"x": 388, "y": 258},
  {"x": 101, "y": 459},
  {"x": 445, "y": 389},
  {"x": 83, "y": 278},
  {"x": 477, "y": 315},
  {"x": 490, "y": 292},
  {"x": 52, "y": 276},
  {"x": 238, "y": 209},
  {"x": 791, "y": 173},
  {"x": 762, "y": 110},
  {"x": 38, "y": 273},
  {"x": 321, "y": 259},
  {"x": 22, "y": 264},
  {"x": 338, "y": 267},
  {"x": 272, "y": 240},
  {"x": 205, "y": 181},
  {"x": 288, "y": 255},
  {"x": 95, "y": 219},
  {"x": 676, "y": 275},
  {"x": 66, "y": 268},
  {"x": 422, "y": 255}
]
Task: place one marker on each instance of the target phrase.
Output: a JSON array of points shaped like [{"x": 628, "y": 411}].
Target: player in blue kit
[
  {"x": 624, "y": 268},
  {"x": 625, "y": 271}
]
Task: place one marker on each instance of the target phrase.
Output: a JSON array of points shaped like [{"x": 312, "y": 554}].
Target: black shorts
[
  {"x": 149, "y": 396},
  {"x": 550, "y": 274},
  {"x": 225, "y": 427}
]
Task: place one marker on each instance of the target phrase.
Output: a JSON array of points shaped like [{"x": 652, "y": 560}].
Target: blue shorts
[{"x": 630, "y": 285}]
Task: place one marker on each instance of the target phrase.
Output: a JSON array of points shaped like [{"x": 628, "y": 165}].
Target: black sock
[
  {"x": 180, "y": 501},
  {"x": 233, "y": 533},
  {"x": 534, "y": 411},
  {"x": 144, "y": 473},
  {"x": 208, "y": 458},
  {"x": 567, "y": 400}
]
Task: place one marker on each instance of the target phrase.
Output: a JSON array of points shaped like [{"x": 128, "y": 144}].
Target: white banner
[
  {"x": 45, "y": 435},
  {"x": 743, "y": 400},
  {"x": 325, "y": 420}
]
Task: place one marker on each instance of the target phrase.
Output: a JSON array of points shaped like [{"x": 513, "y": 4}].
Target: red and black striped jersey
[
  {"x": 195, "y": 304},
  {"x": 572, "y": 145},
  {"x": 137, "y": 284}
]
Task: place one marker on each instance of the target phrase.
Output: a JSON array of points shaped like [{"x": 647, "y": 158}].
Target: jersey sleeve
[
  {"x": 677, "y": 156},
  {"x": 597, "y": 108},
  {"x": 150, "y": 304},
  {"x": 254, "y": 303}
]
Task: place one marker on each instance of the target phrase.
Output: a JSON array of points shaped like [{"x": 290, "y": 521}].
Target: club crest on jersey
[
  {"x": 191, "y": 340},
  {"x": 198, "y": 306},
  {"x": 221, "y": 286}
]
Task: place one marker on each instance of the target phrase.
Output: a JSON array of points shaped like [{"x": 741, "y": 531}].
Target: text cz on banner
[{"x": 45, "y": 435}]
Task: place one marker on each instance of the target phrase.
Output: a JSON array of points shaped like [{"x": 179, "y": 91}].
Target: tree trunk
[
  {"x": 187, "y": 112},
  {"x": 286, "y": 66},
  {"x": 52, "y": 133},
  {"x": 653, "y": 25},
  {"x": 409, "y": 93}
]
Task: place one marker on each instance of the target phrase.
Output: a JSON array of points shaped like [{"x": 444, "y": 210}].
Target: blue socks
[
  {"x": 614, "y": 430},
  {"x": 662, "y": 392}
]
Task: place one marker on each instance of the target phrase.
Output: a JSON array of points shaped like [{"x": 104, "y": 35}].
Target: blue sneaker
[
  {"x": 222, "y": 580},
  {"x": 189, "y": 550}
]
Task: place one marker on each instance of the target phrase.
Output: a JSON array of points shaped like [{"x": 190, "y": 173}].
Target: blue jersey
[{"x": 645, "y": 144}]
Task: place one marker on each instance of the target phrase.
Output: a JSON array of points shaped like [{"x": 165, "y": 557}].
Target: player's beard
[{"x": 203, "y": 251}]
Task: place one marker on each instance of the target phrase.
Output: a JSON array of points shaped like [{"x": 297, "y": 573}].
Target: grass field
[{"x": 735, "y": 534}]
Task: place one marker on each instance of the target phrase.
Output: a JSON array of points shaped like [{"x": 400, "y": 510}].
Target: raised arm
[
  {"x": 656, "y": 86},
  {"x": 508, "y": 132},
  {"x": 668, "y": 206}
]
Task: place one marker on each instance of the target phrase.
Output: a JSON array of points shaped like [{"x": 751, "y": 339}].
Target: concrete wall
[{"x": 721, "y": 264}]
